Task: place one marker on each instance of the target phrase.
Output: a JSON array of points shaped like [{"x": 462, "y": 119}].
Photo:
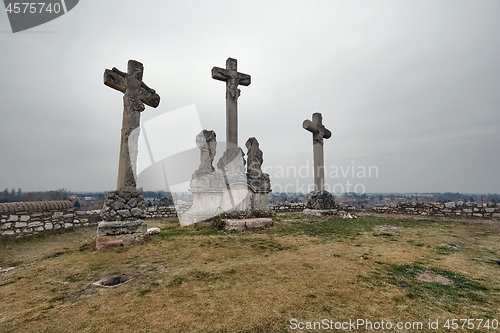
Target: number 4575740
[
  {"x": 32, "y": 7},
  {"x": 470, "y": 324}
]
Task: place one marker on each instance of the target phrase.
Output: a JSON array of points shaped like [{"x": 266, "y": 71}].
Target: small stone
[
  {"x": 132, "y": 203},
  {"x": 450, "y": 204},
  {"x": 13, "y": 218},
  {"x": 126, "y": 195},
  {"x": 137, "y": 212},
  {"x": 21, "y": 224},
  {"x": 153, "y": 231},
  {"x": 48, "y": 226},
  {"x": 117, "y": 205},
  {"x": 124, "y": 213},
  {"x": 24, "y": 218},
  {"x": 68, "y": 225}
]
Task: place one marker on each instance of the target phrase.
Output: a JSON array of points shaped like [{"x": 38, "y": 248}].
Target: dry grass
[{"x": 201, "y": 280}]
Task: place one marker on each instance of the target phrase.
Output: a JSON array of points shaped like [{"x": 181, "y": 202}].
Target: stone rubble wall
[
  {"x": 287, "y": 207},
  {"x": 450, "y": 209},
  {"x": 29, "y": 218},
  {"x": 160, "y": 211}
]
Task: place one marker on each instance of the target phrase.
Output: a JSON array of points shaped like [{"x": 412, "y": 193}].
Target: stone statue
[
  {"x": 206, "y": 177},
  {"x": 254, "y": 157},
  {"x": 207, "y": 143},
  {"x": 256, "y": 179},
  {"x": 232, "y": 165}
]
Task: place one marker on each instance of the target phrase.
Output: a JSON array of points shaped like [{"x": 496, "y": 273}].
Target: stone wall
[
  {"x": 449, "y": 209},
  {"x": 28, "y": 218},
  {"x": 160, "y": 211},
  {"x": 287, "y": 207}
]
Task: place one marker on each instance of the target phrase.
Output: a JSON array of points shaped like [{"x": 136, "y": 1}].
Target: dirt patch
[
  {"x": 388, "y": 229},
  {"x": 433, "y": 277}
]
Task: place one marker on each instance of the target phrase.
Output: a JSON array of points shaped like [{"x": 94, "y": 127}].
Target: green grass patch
[
  {"x": 447, "y": 249},
  {"x": 463, "y": 287}
]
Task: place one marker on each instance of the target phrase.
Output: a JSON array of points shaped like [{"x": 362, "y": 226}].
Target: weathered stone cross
[
  {"x": 319, "y": 132},
  {"x": 136, "y": 94},
  {"x": 232, "y": 78}
]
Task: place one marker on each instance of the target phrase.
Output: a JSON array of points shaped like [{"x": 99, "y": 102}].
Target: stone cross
[
  {"x": 232, "y": 78},
  {"x": 135, "y": 94},
  {"x": 319, "y": 132}
]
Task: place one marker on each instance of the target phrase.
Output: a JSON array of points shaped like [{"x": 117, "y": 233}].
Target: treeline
[{"x": 17, "y": 196}]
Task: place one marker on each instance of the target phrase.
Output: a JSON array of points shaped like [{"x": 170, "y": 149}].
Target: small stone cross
[
  {"x": 232, "y": 78},
  {"x": 319, "y": 132},
  {"x": 135, "y": 94}
]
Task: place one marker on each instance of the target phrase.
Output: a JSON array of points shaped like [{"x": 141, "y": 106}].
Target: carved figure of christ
[
  {"x": 135, "y": 94},
  {"x": 233, "y": 78}
]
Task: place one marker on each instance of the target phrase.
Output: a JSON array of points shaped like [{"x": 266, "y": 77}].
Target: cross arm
[
  {"x": 244, "y": 79},
  {"x": 115, "y": 79},
  {"x": 149, "y": 96},
  {"x": 220, "y": 74},
  {"x": 313, "y": 128}
]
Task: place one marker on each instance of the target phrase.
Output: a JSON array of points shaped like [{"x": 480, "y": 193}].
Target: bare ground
[{"x": 202, "y": 280}]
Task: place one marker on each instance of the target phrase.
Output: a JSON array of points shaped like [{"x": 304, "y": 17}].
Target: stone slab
[
  {"x": 119, "y": 233},
  {"x": 247, "y": 224}
]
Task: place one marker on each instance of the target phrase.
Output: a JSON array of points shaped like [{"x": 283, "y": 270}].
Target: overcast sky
[{"x": 410, "y": 87}]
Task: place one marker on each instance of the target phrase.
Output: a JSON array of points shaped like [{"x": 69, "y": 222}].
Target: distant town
[{"x": 95, "y": 200}]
